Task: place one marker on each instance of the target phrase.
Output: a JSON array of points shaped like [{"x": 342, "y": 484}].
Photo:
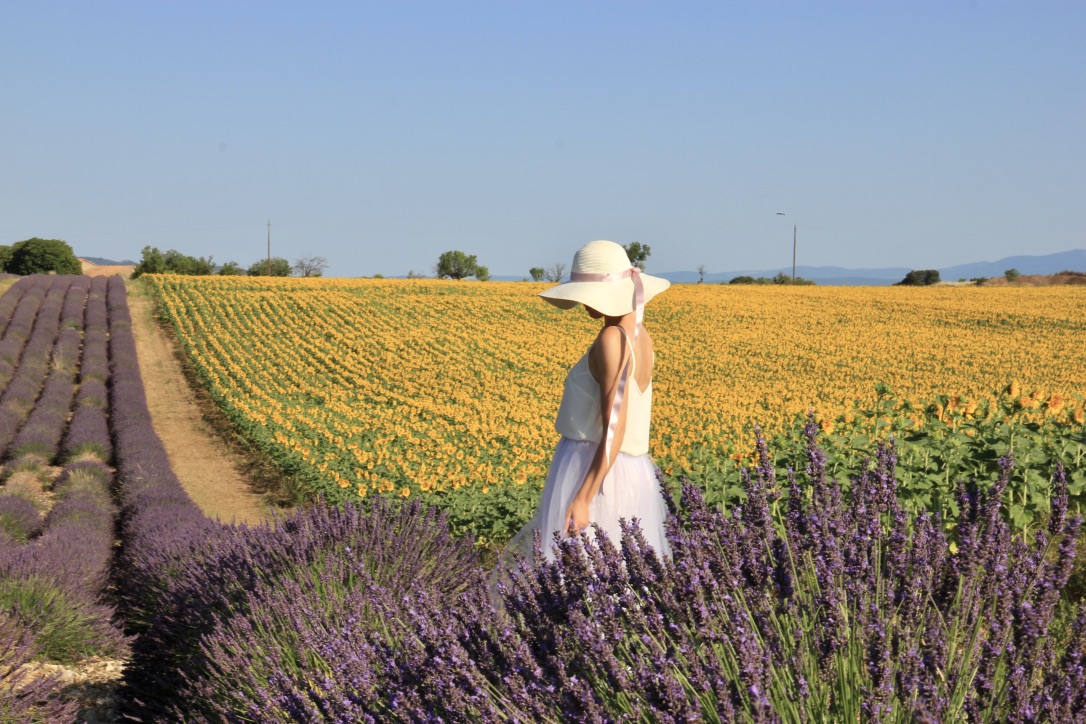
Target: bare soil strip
[{"x": 202, "y": 462}]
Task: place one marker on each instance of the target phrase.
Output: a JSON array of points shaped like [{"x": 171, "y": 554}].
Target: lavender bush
[
  {"x": 251, "y": 578},
  {"x": 816, "y": 606},
  {"x": 26, "y": 698},
  {"x": 19, "y": 519}
]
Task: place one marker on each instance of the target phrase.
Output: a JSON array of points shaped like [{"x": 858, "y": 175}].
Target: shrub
[
  {"x": 231, "y": 269},
  {"x": 920, "y": 278},
  {"x": 280, "y": 267},
  {"x": 1011, "y": 275}
]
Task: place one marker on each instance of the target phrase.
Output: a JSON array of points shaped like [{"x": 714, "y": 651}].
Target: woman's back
[{"x": 580, "y": 416}]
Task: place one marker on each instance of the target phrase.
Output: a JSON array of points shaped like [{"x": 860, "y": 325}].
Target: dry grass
[
  {"x": 95, "y": 270},
  {"x": 1040, "y": 280}
]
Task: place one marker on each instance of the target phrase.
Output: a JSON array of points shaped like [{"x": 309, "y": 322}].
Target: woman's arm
[{"x": 610, "y": 355}]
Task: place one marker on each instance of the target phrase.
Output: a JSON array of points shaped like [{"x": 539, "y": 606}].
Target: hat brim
[{"x": 612, "y": 299}]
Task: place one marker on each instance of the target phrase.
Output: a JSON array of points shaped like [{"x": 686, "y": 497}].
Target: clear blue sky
[{"x": 379, "y": 134}]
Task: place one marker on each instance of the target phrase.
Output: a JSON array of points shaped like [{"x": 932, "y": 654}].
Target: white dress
[{"x": 630, "y": 489}]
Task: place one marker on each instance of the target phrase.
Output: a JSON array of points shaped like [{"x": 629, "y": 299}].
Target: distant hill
[
  {"x": 1049, "y": 264},
  {"x": 1074, "y": 260},
  {"x": 107, "y": 262}
]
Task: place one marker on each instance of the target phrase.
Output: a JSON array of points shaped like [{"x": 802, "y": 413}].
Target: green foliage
[
  {"x": 1011, "y": 275},
  {"x": 458, "y": 265},
  {"x": 65, "y": 630},
  {"x": 153, "y": 261},
  {"x": 280, "y": 267},
  {"x": 537, "y": 273},
  {"x": 780, "y": 279},
  {"x": 41, "y": 256},
  {"x": 938, "y": 444},
  {"x": 5, "y": 256},
  {"x": 638, "y": 253},
  {"x": 231, "y": 269},
  {"x": 920, "y": 278}
]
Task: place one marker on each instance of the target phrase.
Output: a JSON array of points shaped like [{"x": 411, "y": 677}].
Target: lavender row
[
  {"x": 54, "y": 583},
  {"x": 10, "y": 300},
  {"x": 246, "y": 576},
  {"x": 26, "y": 384},
  {"x": 840, "y": 608},
  {"x": 159, "y": 522},
  {"x": 29, "y": 297},
  {"x": 46, "y": 424},
  {"x": 54, "y": 570},
  {"x": 88, "y": 430}
]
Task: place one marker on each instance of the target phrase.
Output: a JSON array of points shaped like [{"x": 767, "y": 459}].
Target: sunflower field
[{"x": 448, "y": 390}]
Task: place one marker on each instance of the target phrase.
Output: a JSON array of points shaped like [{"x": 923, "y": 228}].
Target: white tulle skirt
[{"x": 630, "y": 491}]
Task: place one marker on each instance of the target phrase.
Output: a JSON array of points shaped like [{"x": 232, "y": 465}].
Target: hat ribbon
[{"x": 639, "y": 309}]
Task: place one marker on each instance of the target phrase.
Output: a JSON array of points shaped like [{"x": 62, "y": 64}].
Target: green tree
[
  {"x": 638, "y": 253},
  {"x": 40, "y": 256},
  {"x": 482, "y": 273},
  {"x": 742, "y": 279},
  {"x": 920, "y": 278},
  {"x": 1012, "y": 275},
  {"x": 537, "y": 273},
  {"x": 5, "y": 256},
  {"x": 280, "y": 267},
  {"x": 152, "y": 261},
  {"x": 231, "y": 269},
  {"x": 458, "y": 265}
]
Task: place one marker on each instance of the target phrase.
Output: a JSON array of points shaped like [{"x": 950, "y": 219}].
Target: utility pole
[
  {"x": 269, "y": 249},
  {"x": 794, "y": 228}
]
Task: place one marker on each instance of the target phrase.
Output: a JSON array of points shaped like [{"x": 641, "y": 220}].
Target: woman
[{"x": 601, "y": 471}]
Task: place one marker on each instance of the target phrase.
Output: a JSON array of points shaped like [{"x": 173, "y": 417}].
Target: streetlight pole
[
  {"x": 269, "y": 247},
  {"x": 794, "y": 233}
]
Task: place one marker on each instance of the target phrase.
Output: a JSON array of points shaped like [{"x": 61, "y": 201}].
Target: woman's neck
[{"x": 626, "y": 321}]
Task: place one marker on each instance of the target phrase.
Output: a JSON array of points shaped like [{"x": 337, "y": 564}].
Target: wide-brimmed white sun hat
[{"x": 603, "y": 278}]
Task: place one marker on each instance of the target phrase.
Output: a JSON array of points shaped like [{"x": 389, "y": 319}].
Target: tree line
[
  {"x": 456, "y": 264},
  {"x": 154, "y": 261}
]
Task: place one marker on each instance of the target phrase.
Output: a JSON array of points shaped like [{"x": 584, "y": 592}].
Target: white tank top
[{"x": 579, "y": 416}]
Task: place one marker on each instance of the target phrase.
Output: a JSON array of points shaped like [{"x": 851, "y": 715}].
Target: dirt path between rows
[{"x": 208, "y": 472}]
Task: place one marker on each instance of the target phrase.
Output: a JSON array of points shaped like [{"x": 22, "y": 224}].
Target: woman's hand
[{"x": 576, "y": 517}]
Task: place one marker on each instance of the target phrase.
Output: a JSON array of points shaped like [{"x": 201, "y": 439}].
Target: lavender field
[{"x": 808, "y": 601}]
